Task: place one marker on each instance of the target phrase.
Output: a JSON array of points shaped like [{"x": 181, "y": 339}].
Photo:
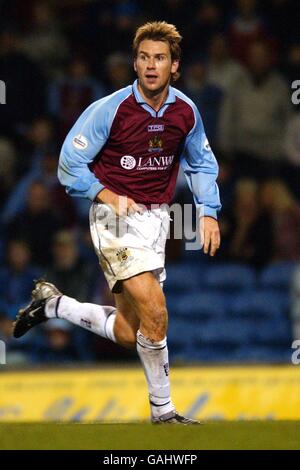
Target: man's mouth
[{"x": 151, "y": 77}]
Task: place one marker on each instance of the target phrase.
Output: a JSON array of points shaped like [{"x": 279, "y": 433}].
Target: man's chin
[{"x": 153, "y": 88}]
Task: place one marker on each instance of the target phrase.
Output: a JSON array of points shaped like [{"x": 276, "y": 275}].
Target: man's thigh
[{"x": 142, "y": 292}]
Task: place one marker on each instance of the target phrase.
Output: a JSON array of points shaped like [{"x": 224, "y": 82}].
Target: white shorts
[{"x": 127, "y": 246}]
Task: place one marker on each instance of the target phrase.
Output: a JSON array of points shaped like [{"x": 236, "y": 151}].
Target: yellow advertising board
[{"x": 120, "y": 394}]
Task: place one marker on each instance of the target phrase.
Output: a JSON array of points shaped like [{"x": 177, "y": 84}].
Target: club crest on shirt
[
  {"x": 124, "y": 255},
  {"x": 155, "y": 144}
]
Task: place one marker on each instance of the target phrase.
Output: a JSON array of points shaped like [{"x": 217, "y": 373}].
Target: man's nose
[{"x": 151, "y": 63}]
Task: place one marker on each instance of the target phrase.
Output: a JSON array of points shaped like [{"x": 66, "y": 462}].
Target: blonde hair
[{"x": 159, "y": 31}]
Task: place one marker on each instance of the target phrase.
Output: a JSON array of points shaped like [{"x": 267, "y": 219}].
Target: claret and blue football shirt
[{"x": 121, "y": 143}]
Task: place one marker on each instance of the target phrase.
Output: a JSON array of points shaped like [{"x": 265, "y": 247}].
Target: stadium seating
[
  {"x": 226, "y": 313},
  {"x": 274, "y": 331},
  {"x": 277, "y": 275},
  {"x": 183, "y": 277},
  {"x": 198, "y": 305},
  {"x": 230, "y": 277},
  {"x": 181, "y": 333},
  {"x": 260, "y": 303}
]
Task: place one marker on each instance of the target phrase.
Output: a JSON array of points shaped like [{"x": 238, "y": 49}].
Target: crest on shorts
[
  {"x": 155, "y": 144},
  {"x": 123, "y": 255}
]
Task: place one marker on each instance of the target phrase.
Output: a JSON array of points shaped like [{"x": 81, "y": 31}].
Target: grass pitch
[{"x": 213, "y": 435}]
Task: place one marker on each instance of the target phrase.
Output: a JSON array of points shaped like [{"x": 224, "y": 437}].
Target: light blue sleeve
[
  {"x": 83, "y": 143},
  {"x": 201, "y": 169}
]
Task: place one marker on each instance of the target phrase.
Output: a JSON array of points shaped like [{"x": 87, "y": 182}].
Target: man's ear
[
  {"x": 174, "y": 66},
  {"x": 134, "y": 65}
]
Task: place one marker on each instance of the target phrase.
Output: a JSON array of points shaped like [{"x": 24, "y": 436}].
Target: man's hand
[
  {"x": 210, "y": 235},
  {"x": 122, "y": 205}
]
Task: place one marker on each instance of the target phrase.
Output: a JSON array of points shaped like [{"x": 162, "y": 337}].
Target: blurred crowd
[{"x": 56, "y": 57}]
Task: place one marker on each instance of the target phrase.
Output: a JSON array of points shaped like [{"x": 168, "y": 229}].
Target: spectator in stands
[
  {"x": 222, "y": 69},
  {"x": 284, "y": 211},
  {"x": 253, "y": 117},
  {"x": 7, "y": 168},
  {"x": 245, "y": 28},
  {"x": 246, "y": 230},
  {"x": 59, "y": 345},
  {"x": 37, "y": 224},
  {"x": 118, "y": 71},
  {"x": 16, "y": 277},
  {"x": 292, "y": 140},
  {"x": 100, "y": 28},
  {"x": 205, "y": 21},
  {"x": 292, "y": 152},
  {"x": 45, "y": 171},
  {"x": 292, "y": 64},
  {"x": 25, "y": 85},
  {"x": 178, "y": 12},
  {"x": 37, "y": 138},
  {"x": 126, "y": 15},
  {"x": 206, "y": 96},
  {"x": 71, "y": 94},
  {"x": 44, "y": 42},
  {"x": 284, "y": 16},
  {"x": 69, "y": 271}
]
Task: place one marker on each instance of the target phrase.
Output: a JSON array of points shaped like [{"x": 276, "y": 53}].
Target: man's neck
[{"x": 156, "y": 99}]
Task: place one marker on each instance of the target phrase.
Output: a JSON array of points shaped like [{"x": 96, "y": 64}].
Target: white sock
[
  {"x": 155, "y": 360},
  {"x": 97, "y": 318}
]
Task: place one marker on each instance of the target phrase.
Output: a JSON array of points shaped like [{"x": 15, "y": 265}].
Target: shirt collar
[{"x": 171, "y": 98}]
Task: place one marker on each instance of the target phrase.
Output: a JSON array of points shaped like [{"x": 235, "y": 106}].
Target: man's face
[{"x": 154, "y": 65}]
